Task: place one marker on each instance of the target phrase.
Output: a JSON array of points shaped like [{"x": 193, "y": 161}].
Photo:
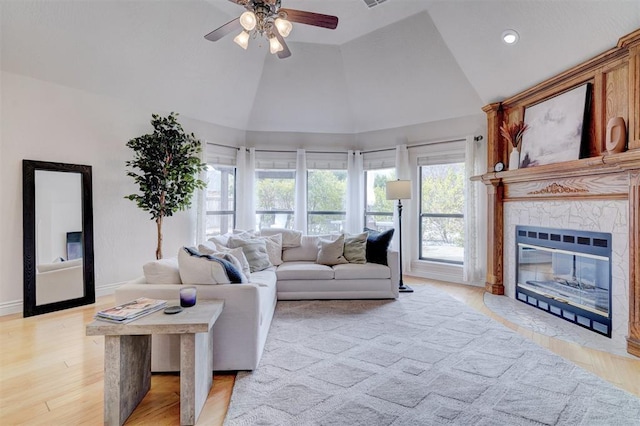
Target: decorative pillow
[
  {"x": 308, "y": 250},
  {"x": 210, "y": 248},
  {"x": 162, "y": 271},
  {"x": 355, "y": 248},
  {"x": 290, "y": 238},
  {"x": 274, "y": 248},
  {"x": 377, "y": 245},
  {"x": 331, "y": 252},
  {"x": 223, "y": 239},
  {"x": 198, "y": 268},
  {"x": 254, "y": 249}
]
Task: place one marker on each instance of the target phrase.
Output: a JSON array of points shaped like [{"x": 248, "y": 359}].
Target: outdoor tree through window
[
  {"x": 326, "y": 200},
  {"x": 378, "y": 210},
  {"x": 442, "y": 213},
  {"x": 275, "y": 202}
]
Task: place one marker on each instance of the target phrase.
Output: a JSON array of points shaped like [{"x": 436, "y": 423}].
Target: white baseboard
[
  {"x": 12, "y": 307},
  {"x": 15, "y": 306}
]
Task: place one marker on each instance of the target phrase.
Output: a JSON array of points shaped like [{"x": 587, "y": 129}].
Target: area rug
[{"x": 425, "y": 359}]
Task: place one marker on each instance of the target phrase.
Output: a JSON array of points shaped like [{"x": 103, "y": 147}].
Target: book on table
[{"x": 129, "y": 311}]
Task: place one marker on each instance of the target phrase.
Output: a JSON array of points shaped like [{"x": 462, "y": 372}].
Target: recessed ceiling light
[{"x": 510, "y": 36}]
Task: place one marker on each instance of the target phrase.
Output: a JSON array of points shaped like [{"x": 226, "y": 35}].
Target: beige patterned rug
[{"x": 425, "y": 359}]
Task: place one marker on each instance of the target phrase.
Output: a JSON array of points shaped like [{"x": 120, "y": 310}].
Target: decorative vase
[{"x": 514, "y": 159}]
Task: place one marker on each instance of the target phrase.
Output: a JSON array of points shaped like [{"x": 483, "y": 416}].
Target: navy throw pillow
[{"x": 377, "y": 245}]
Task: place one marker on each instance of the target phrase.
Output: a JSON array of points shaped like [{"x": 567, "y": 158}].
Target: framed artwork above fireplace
[{"x": 556, "y": 128}]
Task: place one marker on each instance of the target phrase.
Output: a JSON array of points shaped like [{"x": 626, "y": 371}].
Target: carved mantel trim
[{"x": 558, "y": 188}]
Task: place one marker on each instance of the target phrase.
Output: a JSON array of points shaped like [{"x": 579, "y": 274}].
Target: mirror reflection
[{"x": 58, "y": 236}]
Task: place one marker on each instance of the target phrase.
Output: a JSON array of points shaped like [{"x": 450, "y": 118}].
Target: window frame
[{"x": 221, "y": 213}]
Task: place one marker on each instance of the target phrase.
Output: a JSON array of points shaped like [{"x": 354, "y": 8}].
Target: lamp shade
[{"x": 399, "y": 190}]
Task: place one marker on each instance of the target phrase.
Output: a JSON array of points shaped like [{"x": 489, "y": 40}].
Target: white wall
[{"x": 49, "y": 122}]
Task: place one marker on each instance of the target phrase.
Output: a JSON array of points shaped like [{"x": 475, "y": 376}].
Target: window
[
  {"x": 378, "y": 211},
  {"x": 275, "y": 191},
  {"x": 220, "y": 200},
  {"x": 442, "y": 213},
  {"x": 326, "y": 198}
]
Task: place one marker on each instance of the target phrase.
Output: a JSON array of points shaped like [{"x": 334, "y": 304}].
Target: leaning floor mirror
[{"x": 57, "y": 236}]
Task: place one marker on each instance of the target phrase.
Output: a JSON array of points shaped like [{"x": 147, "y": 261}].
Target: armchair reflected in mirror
[{"x": 57, "y": 236}]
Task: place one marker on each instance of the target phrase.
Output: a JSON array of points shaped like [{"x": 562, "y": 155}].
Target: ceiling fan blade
[
  {"x": 311, "y": 18},
  {"x": 285, "y": 52},
  {"x": 227, "y": 28}
]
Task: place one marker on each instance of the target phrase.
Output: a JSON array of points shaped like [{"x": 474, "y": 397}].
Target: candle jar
[{"x": 187, "y": 297}]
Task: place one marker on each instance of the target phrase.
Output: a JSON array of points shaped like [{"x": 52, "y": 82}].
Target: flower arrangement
[{"x": 513, "y": 132}]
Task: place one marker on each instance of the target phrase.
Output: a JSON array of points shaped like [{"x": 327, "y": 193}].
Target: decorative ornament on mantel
[
  {"x": 513, "y": 134},
  {"x": 616, "y": 138}
]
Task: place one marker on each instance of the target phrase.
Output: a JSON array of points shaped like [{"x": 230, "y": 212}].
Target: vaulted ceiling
[{"x": 400, "y": 63}]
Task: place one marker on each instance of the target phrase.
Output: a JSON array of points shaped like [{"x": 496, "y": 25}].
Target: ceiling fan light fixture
[
  {"x": 510, "y": 36},
  {"x": 248, "y": 20},
  {"x": 242, "y": 40},
  {"x": 274, "y": 45},
  {"x": 284, "y": 27}
]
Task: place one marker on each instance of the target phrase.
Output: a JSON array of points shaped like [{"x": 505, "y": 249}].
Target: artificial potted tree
[{"x": 165, "y": 165}]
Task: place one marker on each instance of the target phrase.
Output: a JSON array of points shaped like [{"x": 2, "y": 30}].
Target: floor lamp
[{"x": 400, "y": 190}]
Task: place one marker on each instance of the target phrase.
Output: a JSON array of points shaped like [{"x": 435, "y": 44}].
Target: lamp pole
[{"x": 402, "y": 288}]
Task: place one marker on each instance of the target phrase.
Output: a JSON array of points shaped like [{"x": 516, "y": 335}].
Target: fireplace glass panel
[{"x": 578, "y": 279}]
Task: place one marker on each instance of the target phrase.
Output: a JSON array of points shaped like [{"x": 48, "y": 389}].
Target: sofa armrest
[{"x": 393, "y": 260}]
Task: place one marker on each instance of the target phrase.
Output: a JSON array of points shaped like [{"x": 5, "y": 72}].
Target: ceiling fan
[{"x": 267, "y": 18}]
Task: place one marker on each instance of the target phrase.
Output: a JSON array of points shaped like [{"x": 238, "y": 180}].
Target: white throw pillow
[
  {"x": 355, "y": 248},
  {"x": 195, "y": 269},
  {"x": 308, "y": 250},
  {"x": 163, "y": 271},
  {"x": 331, "y": 252},
  {"x": 290, "y": 238},
  {"x": 237, "y": 254},
  {"x": 254, "y": 249}
]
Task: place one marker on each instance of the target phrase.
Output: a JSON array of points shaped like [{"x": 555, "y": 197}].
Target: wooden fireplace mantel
[{"x": 615, "y": 79}]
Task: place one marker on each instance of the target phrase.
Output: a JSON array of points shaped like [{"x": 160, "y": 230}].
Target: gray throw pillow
[
  {"x": 254, "y": 249},
  {"x": 355, "y": 248},
  {"x": 331, "y": 252}
]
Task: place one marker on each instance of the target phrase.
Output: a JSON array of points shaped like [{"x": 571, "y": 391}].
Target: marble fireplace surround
[
  {"x": 586, "y": 215},
  {"x": 595, "y": 194}
]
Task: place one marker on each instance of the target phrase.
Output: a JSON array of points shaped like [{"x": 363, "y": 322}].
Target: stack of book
[{"x": 130, "y": 311}]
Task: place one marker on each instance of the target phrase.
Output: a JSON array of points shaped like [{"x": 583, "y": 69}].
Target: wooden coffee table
[{"x": 127, "y": 359}]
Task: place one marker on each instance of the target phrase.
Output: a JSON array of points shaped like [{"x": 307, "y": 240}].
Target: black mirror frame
[{"x": 29, "y": 168}]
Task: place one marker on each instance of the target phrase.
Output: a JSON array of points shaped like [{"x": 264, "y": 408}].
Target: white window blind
[
  {"x": 275, "y": 160},
  {"x": 385, "y": 159},
  {"x": 446, "y": 153},
  {"x": 326, "y": 160},
  {"x": 220, "y": 155}
]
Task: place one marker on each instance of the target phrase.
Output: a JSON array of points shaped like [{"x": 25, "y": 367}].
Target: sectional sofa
[{"x": 294, "y": 273}]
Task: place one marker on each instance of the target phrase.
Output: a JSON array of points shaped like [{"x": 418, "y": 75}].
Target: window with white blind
[
  {"x": 220, "y": 194},
  {"x": 326, "y": 192},
  {"x": 275, "y": 189},
  {"x": 441, "y": 221}
]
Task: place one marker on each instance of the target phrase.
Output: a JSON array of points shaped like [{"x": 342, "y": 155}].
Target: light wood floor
[{"x": 52, "y": 374}]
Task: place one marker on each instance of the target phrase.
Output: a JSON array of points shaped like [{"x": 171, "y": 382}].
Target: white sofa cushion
[
  {"x": 304, "y": 271},
  {"x": 162, "y": 271},
  {"x": 265, "y": 278},
  {"x": 355, "y": 271},
  {"x": 46, "y": 267}
]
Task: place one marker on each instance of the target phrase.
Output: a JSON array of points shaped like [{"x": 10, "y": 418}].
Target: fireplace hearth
[{"x": 566, "y": 273}]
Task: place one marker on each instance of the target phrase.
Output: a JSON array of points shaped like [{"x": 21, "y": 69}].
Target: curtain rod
[{"x": 417, "y": 145}]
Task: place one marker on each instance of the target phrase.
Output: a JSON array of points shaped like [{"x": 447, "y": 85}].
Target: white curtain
[
  {"x": 245, "y": 194},
  {"x": 403, "y": 172},
  {"x": 200, "y": 202},
  {"x": 300, "y": 204},
  {"x": 472, "y": 272},
  {"x": 355, "y": 193}
]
